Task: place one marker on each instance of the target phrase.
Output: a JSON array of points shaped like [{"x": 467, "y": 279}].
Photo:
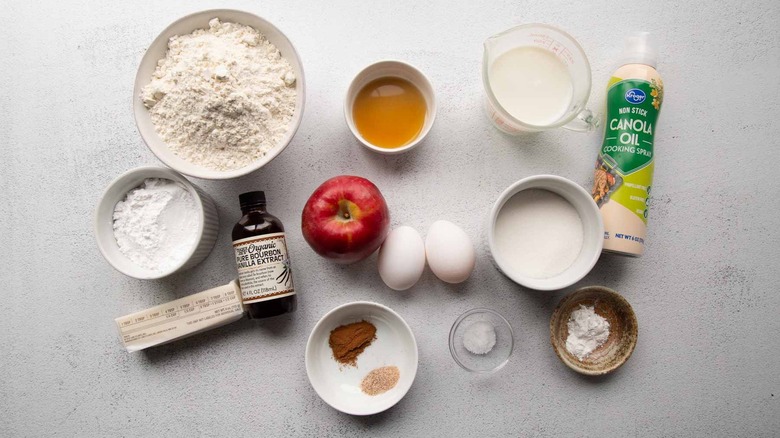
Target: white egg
[
  {"x": 401, "y": 258},
  {"x": 450, "y": 252}
]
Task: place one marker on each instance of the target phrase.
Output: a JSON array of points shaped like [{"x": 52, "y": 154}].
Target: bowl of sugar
[
  {"x": 545, "y": 232},
  {"x": 152, "y": 222}
]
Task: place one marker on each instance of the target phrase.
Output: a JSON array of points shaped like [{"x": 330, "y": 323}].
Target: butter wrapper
[{"x": 181, "y": 318}]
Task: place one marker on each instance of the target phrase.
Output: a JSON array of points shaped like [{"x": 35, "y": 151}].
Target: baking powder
[
  {"x": 587, "y": 331},
  {"x": 157, "y": 224}
]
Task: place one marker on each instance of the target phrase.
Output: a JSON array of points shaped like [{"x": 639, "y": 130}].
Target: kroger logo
[{"x": 635, "y": 96}]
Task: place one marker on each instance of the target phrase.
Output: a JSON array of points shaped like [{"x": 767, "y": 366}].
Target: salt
[
  {"x": 480, "y": 337},
  {"x": 538, "y": 233}
]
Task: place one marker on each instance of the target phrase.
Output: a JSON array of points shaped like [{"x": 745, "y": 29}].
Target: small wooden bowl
[{"x": 622, "y": 330}]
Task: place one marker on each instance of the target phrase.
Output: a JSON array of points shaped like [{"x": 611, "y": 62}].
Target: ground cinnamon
[{"x": 348, "y": 341}]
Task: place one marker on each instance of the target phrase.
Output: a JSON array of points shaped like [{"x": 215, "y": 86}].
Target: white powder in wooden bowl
[{"x": 587, "y": 331}]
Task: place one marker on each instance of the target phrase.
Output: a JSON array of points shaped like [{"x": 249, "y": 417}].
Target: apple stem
[{"x": 346, "y": 215}]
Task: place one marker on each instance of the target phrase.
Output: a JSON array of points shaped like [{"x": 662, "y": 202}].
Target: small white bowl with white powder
[
  {"x": 545, "y": 232},
  {"x": 152, "y": 222},
  {"x": 219, "y": 94}
]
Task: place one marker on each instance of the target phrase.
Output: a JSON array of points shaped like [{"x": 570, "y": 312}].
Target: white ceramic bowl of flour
[
  {"x": 205, "y": 232},
  {"x": 157, "y": 51},
  {"x": 545, "y": 232}
]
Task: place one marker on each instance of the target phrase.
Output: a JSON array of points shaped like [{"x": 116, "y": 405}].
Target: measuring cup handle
[{"x": 585, "y": 121}]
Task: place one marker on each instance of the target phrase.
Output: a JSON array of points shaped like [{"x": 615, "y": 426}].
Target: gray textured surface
[{"x": 706, "y": 294}]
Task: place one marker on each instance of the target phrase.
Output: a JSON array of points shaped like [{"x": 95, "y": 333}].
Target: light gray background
[{"x": 706, "y": 293}]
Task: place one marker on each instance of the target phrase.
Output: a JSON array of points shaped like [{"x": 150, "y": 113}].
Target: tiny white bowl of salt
[
  {"x": 152, "y": 222},
  {"x": 545, "y": 232},
  {"x": 481, "y": 341}
]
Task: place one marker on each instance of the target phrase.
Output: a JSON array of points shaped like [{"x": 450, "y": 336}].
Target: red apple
[{"x": 345, "y": 219}]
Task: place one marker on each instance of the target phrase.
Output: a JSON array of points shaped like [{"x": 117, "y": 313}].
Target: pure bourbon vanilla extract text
[{"x": 264, "y": 271}]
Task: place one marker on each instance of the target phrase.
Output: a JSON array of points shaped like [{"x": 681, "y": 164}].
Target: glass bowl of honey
[{"x": 390, "y": 107}]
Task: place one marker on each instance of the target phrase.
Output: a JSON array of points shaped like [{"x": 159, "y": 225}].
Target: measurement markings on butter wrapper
[{"x": 176, "y": 313}]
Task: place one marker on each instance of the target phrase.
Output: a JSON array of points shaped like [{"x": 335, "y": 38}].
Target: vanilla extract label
[{"x": 264, "y": 270}]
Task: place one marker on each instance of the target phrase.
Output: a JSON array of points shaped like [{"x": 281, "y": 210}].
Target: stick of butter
[{"x": 181, "y": 318}]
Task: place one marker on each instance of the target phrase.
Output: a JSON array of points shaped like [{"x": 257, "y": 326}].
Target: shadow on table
[
  {"x": 546, "y": 300},
  {"x": 607, "y": 272},
  {"x": 394, "y": 164},
  {"x": 596, "y": 380},
  {"x": 369, "y": 421}
]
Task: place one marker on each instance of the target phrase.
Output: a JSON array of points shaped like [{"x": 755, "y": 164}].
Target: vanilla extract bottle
[{"x": 264, "y": 271}]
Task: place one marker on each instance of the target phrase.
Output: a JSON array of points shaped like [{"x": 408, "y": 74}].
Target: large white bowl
[
  {"x": 155, "y": 52},
  {"x": 208, "y": 226},
  {"x": 339, "y": 385},
  {"x": 592, "y": 224}
]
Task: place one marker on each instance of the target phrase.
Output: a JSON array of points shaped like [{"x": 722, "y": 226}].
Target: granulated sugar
[
  {"x": 538, "y": 233},
  {"x": 157, "y": 224}
]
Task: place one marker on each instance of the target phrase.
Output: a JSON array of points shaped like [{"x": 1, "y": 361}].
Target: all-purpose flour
[
  {"x": 157, "y": 224},
  {"x": 222, "y": 97}
]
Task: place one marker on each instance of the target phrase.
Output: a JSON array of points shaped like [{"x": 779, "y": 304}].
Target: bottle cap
[
  {"x": 640, "y": 50},
  {"x": 251, "y": 199}
]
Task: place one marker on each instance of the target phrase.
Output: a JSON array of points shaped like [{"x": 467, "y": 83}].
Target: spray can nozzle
[{"x": 640, "y": 50}]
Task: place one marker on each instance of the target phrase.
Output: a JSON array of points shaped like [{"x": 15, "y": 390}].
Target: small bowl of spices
[
  {"x": 361, "y": 358},
  {"x": 481, "y": 341},
  {"x": 152, "y": 222},
  {"x": 593, "y": 330}
]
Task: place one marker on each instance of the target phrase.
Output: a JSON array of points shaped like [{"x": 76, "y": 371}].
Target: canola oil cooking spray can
[{"x": 624, "y": 170}]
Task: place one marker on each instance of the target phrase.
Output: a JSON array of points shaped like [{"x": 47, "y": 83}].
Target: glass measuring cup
[{"x": 576, "y": 117}]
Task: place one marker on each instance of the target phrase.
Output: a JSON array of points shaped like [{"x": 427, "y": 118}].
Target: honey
[{"x": 389, "y": 112}]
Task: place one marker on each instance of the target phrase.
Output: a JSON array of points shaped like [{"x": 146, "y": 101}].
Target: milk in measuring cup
[
  {"x": 536, "y": 78},
  {"x": 532, "y": 84}
]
